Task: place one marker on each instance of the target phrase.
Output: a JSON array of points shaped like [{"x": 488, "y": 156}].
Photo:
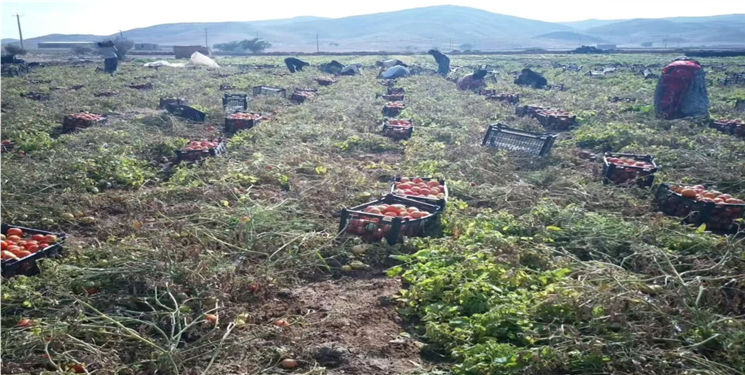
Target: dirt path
[{"x": 349, "y": 325}]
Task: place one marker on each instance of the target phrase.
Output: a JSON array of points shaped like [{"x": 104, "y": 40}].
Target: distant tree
[
  {"x": 14, "y": 49},
  {"x": 466, "y": 46},
  {"x": 82, "y": 50},
  {"x": 334, "y": 44},
  {"x": 229, "y": 47},
  {"x": 647, "y": 44},
  {"x": 254, "y": 45},
  {"x": 123, "y": 45}
]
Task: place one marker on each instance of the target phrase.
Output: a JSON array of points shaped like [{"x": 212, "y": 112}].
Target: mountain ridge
[{"x": 447, "y": 27}]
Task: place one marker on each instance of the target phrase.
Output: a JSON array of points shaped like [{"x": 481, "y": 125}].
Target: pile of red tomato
[
  {"x": 417, "y": 187},
  {"x": 244, "y": 116},
  {"x": 701, "y": 194},
  {"x": 398, "y": 105},
  {"x": 18, "y": 245},
  {"x": 395, "y": 122},
  {"x": 202, "y": 145},
  {"x": 86, "y": 116}
]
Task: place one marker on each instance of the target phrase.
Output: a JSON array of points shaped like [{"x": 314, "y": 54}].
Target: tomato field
[{"x": 236, "y": 263}]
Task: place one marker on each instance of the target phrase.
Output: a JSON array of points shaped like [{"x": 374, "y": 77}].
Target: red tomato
[
  {"x": 14, "y": 248},
  {"x": 22, "y": 253},
  {"x": 15, "y": 232},
  {"x": 50, "y": 238},
  {"x": 25, "y": 323},
  {"x": 3, "y": 245},
  {"x": 433, "y": 183},
  {"x": 418, "y": 180},
  {"x": 37, "y": 237},
  {"x": 32, "y": 248},
  {"x": 405, "y": 179},
  {"x": 43, "y": 245},
  {"x": 14, "y": 238}
]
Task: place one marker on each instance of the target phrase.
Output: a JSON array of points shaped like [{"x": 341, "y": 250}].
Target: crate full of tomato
[
  {"x": 699, "y": 205},
  {"x": 622, "y": 169},
  {"x": 301, "y": 95},
  {"x": 238, "y": 121},
  {"x": 528, "y": 110},
  {"x": 398, "y": 128},
  {"x": 554, "y": 119},
  {"x": 197, "y": 150},
  {"x": 734, "y": 127},
  {"x": 393, "y": 109},
  {"x": 425, "y": 189},
  {"x": 82, "y": 120},
  {"x": 391, "y": 218},
  {"x": 7, "y": 145},
  {"x": 22, "y": 247}
]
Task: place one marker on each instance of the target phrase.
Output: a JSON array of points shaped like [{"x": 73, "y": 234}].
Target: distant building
[
  {"x": 184, "y": 52},
  {"x": 60, "y": 45},
  {"x": 606, "y": 47},
  {"x": 146, "y": 46}
]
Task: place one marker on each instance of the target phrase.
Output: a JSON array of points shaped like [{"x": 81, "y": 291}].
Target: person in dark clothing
[
  {"x": 473, "y": 82},
  {"x": 443, "y": 62},
  {"x": 295, "y": 65},
  {"x": 334, "y": 67},
  {"x": 110, "y": 57},
  {"x": 528, "y": 77}
]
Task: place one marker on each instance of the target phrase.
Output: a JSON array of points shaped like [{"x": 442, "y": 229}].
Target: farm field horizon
[{"x": 237, "y": 264}]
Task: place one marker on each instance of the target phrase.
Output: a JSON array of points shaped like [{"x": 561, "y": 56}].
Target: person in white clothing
[{"x": 110, "y": 58}]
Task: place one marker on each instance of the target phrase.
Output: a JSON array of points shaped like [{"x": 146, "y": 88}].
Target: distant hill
[
  {"x": 446, "y": 27},
  {"x": 571, "y": 37}
]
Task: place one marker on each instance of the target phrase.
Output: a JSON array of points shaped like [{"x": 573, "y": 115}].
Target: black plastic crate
[
  {"x": 71, "y": 123},
  {"x": 440, "y": 202},
  {"x": 226, "y": 87},
  {"x": 732, "y": 127},
  {"x": 395, "y": 129},
  {"x": 7, "y": 146},
  {"x": 269, "y": 91},
  {"x": 141, "y": 86},
  {"x": 396, "y": 91},
  {"x": 626, "y": 174},
  {"x": 505, "y": 98},
  {"x": 558, "y": 122},
  {"x": 717, "y": 216},
  {"x": 503, "y": 137},
  {"x": 42, "y": 97},
  {"x": 391, "y": 111},
  {"x": 235, "y": 102},
  {"x": 27, "y": 266},
  {"x": 392, "y": 97},
  {"x": 233, "y": 125},
  {"x": 165, "y": 102},
  {"x": 197, "y": 155},
  {"x": 528, "y": 110},
  {"x": 187, "y": 112},
  {"x": 372, "y": 227},
  {"x": 740, "y": 105}
]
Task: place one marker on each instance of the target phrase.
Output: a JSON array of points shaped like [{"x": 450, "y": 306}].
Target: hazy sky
[{"x": 105, "y": 18}]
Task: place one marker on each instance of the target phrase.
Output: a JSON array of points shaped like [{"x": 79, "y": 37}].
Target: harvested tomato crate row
[
  {"x": 697, "y": 209},
  {"x": 398, "y": 128},
  {"x": 393, "y": 109},
  {"x": 414, "y": 190},
  {"x": 634, "y": 169},
  {"x": 27, "y": 265},
  {"x": 197, "y": 150},
  {"x": 7, "y": 146},
  {"x": 238, "y": 121},
  {"x": 373, "y": 225},
  {"x": 505, "y": 138},
  {"x": 269, "y": 91},
  {"x": 82, "y": 120},
  {"x": 732, "y": 127}
]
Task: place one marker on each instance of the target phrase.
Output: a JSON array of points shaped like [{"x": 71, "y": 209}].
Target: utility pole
[
  {"x": 121, "y": 34},
  {"x": 206, "y": 42},
  {"x": 20, "y": 33},
  {"x": 318, "y": 46}
]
